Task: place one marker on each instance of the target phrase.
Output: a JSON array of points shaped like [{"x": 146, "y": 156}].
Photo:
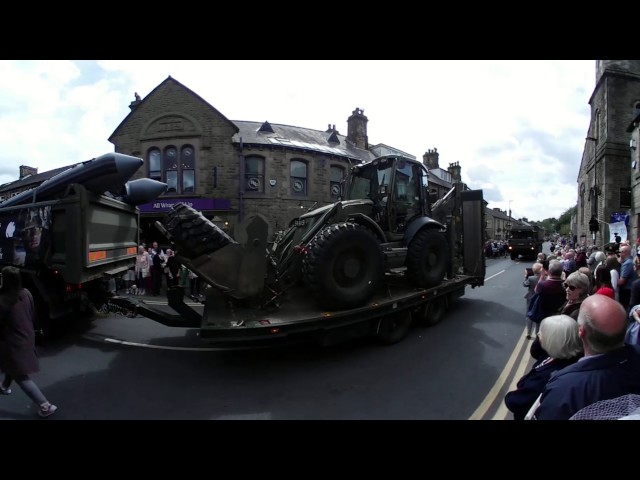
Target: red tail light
[{"x": 72, "y": 287}]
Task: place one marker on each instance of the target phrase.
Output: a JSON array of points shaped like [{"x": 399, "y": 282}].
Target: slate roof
[
  {"x": 33, "y": 180},
  {"x": 274, "y": 134}
]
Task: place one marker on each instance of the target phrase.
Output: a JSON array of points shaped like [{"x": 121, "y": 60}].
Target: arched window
[
  {"x": 176, "y": 169},
  {"x": 583, "y": 189},
  {"x": 155, "y": 167},
  {"x": 170, "y": 164},
  {"x": 254, "y": 174},
  {"x": 298, "y": 177},
  {"x": 187, "y": 168},
  {"x": 335, "y": 181}
]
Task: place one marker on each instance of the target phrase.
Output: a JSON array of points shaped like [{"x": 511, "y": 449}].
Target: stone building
[
  {"x": 634, "y": 140},
  {"x": 607, "y": 174},
  {"x": 232, "y": 169}
]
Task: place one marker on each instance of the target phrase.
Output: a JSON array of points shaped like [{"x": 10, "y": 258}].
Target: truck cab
[
  {"x": 398, "y": 188},
  {"x": 525, "y": 241}
]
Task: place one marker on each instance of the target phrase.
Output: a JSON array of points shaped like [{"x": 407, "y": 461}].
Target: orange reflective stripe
[{"x": 98, "y": 255}]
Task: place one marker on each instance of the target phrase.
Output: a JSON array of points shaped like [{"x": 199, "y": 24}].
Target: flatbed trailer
[
  {"x": 387, "y": 317},
  {"x": 284, "y": 309}
]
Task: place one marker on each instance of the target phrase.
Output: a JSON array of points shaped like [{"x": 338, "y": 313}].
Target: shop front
[{"x": 218, "y": 210}]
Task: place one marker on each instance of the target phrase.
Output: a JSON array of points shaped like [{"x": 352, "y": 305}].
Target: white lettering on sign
[{"x": 169, "y": 205}]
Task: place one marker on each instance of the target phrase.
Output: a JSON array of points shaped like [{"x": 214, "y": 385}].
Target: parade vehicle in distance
[
  {"x": 73, "y": 231},
  {"x": 368, "y": 264},
  {"x": 525, "y": 241}
]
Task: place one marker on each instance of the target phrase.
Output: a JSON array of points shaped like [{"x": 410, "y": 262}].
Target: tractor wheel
[
  {"x": 194, "y": 234},
  {"x": 344, "y": 266},
  {"x": 427, "y": 258},
  {"x": 394, "y": 328}
]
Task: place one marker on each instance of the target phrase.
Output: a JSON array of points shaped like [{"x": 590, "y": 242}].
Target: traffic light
[{"x": 593, "y": 224}]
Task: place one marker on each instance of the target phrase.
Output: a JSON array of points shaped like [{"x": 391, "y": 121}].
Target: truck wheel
[
  {"x": 433, "y": 312},
  {"x": 427, "y": 258},
  {"x": 194, "y": 234},
  {"x": 394, "y": 328},
  {"x": 344, "y": 266}
]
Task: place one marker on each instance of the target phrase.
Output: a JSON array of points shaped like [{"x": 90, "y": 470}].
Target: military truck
[
  {"x": 525, "y": 241},
  {"x": 72, "y": 232},
  {"x": 367, "y": 264}
]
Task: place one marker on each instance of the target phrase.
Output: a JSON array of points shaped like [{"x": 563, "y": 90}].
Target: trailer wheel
[
  {"x": 433, "y": 312},
  {"x": 427, "y": 258},
  {"x": 344, "y": 266},
  {"x": 394, "y": 328},
  {"x": 194, "y": 234},
  {"x": 42, "y": 324}
]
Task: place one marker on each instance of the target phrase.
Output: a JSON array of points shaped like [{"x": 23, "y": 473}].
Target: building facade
[
  {"x": 230, "y": 170},
  {"x": 607, "y": 175}
]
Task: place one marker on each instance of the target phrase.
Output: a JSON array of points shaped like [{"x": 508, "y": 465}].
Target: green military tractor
[{"x": 340, "y": 252}]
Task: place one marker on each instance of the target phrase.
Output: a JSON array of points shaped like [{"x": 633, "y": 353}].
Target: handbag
[{"x": 535, "y": 313}]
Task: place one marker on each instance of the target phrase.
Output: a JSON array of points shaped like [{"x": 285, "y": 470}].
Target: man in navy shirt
[{"x": 608, "y": 369}]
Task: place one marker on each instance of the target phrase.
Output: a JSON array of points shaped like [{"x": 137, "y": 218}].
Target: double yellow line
[{"x": 497, "y": 392}]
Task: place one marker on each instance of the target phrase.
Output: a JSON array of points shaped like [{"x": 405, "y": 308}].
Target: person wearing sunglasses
[{"x": 576, "y": 286}]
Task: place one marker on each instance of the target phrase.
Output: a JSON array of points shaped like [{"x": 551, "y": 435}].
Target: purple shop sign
[{"x": 201, "y": 204}]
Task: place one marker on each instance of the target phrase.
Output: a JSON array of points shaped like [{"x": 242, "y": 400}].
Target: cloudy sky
[{"x": 517, "y": 128}]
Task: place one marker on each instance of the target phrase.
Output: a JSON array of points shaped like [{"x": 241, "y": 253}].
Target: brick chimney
[
  {"x": 454, "y": 170},
  {"x": 430, "y": 159},
  {"x": 26, "y": 171},
  {"x": 357, "y": 129}
]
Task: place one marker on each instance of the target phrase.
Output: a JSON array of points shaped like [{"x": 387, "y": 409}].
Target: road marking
[
  {"x": 157, "y": 347},
  {"x": 503, "y": 412},
  {"x": 494, "y": 275},
  {"x": 98, "y": 338},
  {"x": 481, "y": 411}
]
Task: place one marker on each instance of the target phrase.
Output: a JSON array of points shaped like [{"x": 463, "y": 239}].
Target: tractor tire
[
  {"x": 194, "y": 234},
  {"x": 427, "y": 258},
  {"x": 344, "y": 266}
]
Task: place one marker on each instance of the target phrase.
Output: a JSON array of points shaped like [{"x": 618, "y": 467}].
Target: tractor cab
[{"x": 398, "y": 187}]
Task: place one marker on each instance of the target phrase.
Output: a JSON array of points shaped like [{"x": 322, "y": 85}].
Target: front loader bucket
[{"x": 237, "y": 270}]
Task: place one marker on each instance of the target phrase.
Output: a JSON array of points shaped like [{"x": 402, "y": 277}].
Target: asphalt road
[{"x": 134, "y": 368}]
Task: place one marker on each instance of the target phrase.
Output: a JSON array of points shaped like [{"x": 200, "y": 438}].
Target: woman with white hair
[
  {"x": 577, "y": 287},
  {"x": 559, "y": 338},
  {"x": 599, "y": 259}
]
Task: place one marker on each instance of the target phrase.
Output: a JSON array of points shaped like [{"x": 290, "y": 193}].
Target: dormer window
[{"x": 266, "y": 128}]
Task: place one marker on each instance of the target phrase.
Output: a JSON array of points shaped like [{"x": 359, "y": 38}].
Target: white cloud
[{"x": 516, "y": 127}]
